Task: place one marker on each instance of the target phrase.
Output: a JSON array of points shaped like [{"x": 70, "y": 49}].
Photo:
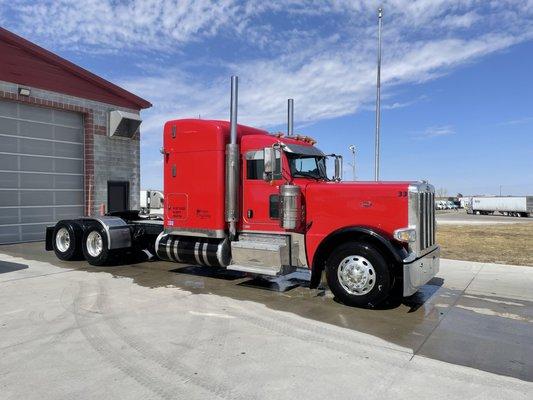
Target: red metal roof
[{"x": 25, "y": 63}]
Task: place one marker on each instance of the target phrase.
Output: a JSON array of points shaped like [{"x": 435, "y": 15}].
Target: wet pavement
[{"x": 163, "y": 330}]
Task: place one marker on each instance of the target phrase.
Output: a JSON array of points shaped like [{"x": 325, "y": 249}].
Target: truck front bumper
[{"x": 418, "y": 271}]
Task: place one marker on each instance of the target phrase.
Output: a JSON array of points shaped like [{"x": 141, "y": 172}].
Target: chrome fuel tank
[{"x": 193, "y": 250}]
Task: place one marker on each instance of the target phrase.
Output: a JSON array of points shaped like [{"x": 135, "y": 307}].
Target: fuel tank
[{"x": 193, "y": 250}]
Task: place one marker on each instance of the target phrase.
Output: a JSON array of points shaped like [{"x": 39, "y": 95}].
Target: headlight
[{"x": 406, "y": 235}]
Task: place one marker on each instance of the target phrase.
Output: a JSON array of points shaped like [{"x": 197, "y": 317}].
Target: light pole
[{"x": 352, "y": 148}]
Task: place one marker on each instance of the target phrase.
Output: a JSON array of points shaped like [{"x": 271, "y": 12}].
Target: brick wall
[{"x": 106, "y": 158}]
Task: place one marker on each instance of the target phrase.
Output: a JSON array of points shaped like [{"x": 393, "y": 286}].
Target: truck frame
[{"x": 243, "y": 199}]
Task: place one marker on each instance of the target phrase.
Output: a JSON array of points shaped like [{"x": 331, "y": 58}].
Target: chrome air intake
[
  {"x": 192, "y": 250},
  {"x": 290, "y": 204}
]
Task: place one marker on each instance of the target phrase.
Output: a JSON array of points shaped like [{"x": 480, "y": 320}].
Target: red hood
[{"x": 335, "y": 205}]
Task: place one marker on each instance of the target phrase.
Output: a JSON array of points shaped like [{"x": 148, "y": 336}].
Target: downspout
[{"x": 232, "y": 165}]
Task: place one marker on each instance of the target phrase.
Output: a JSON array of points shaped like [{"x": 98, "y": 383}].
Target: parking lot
[{"x": 162, "y": 330}]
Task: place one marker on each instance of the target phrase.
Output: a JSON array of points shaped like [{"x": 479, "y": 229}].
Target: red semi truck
[{"x": 243, "y": 199}]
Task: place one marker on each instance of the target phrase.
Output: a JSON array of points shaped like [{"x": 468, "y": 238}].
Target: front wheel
[
  {"x": 358, "y": 275},
  {"x": 95, "y": 246}
]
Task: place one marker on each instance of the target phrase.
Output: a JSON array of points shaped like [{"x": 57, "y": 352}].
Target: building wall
[
  {"x": 106, "y": 158},
  {"x": 116, "y": 159}
]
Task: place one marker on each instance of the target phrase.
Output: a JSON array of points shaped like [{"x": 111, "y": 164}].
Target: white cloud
[
  {"x": 328, "y": 85},
  {"x": 460, "y": 21},
  {"x": 437, "y": 131},
  {"x": 106, "y": 25},
  {"x": 402, "y": 104},
  {"x": 517, "y": 121},
  {"x": 320, "y": 53}
]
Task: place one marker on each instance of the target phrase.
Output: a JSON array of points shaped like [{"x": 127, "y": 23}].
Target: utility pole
[
  {"x": 352, "y": 148},
  {"x": 378, "y": 98}
]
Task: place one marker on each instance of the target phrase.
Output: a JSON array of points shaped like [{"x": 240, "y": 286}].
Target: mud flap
[{"x": 49, "y": 246}]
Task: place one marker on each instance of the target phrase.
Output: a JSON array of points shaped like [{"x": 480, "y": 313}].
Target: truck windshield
[{"x": 306, "y": 166}]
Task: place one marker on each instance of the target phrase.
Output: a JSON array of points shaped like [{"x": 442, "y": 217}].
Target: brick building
[{"x": 69, "y": 141}]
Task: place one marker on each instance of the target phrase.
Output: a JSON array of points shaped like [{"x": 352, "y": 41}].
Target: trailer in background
[
  {"x": 514, "y": 206},
  {"x": 152, "y": 202}
]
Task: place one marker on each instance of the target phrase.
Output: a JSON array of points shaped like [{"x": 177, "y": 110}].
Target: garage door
[{"x": 41, "y": 169}]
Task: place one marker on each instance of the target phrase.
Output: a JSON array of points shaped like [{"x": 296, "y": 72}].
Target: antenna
[{"x": 378, "y": 99}]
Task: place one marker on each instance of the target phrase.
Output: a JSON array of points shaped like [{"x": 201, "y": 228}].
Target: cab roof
[{"x": 205, "y": 135}]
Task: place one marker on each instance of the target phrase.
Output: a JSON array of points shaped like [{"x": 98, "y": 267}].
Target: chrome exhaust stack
[
  {"x": 290, "y": 117},
  {"x": 232, "y": 165}
]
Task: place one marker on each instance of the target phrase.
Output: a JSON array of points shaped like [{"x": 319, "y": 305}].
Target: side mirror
[
  {"x": 338, "y": 168},
  {"x": 269, "y": 159}
]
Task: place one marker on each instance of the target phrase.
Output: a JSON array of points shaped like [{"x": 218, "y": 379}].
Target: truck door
[{"x": 260, "y": 205}]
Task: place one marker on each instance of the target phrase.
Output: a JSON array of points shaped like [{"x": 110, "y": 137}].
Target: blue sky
[{"x": 457, "y": 84}]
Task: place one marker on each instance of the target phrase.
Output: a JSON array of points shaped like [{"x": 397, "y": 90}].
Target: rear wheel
[
  {"x": 95, "y": 246},
  {"x": 66, "y": 242},
  {"x": 358, "y": 275}
]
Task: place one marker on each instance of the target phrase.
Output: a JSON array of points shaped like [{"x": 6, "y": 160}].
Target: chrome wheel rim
[
  {"x": 94, "y": 244},
  {"x": 356, "y": 275},
  {"x": 62, "y": 240}
]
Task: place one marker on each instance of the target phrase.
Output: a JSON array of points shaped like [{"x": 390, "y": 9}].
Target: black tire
[
  {"x": 383, "y": 280},
  {"x": 104, "y": 256},
  {"x": 68, "y": 248}
]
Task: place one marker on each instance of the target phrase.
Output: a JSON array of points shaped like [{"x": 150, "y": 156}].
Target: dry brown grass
[{"x": 502, "y": 244}]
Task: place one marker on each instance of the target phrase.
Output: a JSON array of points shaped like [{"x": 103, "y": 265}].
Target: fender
[
  {"x": 117, "y": 230},
  {"x": 395, "y": 252}
]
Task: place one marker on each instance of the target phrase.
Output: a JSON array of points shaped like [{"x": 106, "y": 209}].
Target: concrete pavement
[{"x": 162, "y": 330}]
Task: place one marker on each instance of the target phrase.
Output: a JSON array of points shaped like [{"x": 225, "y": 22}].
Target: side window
[
  {"x": 255, "y": 167},
  {"x": 274, "y": 206}
]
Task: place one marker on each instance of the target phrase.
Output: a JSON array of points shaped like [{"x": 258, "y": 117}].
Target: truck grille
[{"x": 426, "y": 220}]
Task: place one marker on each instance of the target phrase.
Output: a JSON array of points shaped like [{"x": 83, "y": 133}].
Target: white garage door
[{"x": 41, "y": 169}]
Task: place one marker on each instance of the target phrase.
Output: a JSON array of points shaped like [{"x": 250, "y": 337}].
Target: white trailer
[
  {"x": 152, "y": 202},
  {"x": 515, "y": 206}
]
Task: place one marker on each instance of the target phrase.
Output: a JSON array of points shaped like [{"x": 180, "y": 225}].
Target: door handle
[{"x": 250, "y": 213}]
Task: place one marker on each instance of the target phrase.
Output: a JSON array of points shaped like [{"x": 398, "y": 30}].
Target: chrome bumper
[{"x": 419, "y": 271}]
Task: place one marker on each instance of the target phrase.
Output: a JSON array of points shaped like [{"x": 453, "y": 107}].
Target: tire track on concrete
[
  {"x": 55, "y": 337},
  {"x": 190, "y": 334},
  {"x": 113, "y": 356},
  {"x": 216, "y": 362},
  {"x": 305, "y": 331},
  {"x": 317, "y": 335},
  {"x": 161, "y": 359}
]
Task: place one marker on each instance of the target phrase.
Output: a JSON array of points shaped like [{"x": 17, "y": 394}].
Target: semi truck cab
[
  {"x": 365, "y": 236},
  {"x": 240, "y": 198}
]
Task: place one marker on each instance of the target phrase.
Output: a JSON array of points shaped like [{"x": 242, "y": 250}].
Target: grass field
[{"x": 502, "y": 243}]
